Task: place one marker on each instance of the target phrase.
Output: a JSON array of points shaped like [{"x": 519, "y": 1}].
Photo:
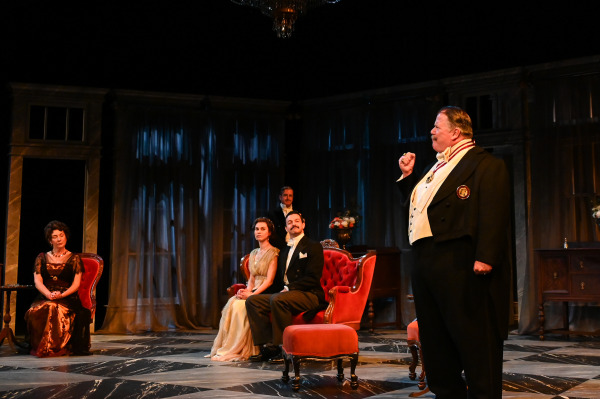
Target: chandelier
[{"x": 284, "y": 12}]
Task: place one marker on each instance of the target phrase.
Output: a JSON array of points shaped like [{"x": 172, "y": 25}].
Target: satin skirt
[
  {"x": 234, "y": 339},
  {"x": 50, "y": 326}
]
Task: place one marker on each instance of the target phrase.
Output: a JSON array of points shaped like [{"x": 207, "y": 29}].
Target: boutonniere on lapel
[{"x": 303, "y": 255}]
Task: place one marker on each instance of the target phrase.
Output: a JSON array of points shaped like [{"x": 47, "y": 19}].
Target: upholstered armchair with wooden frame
[
  {"x": 93, "y": 266},
  {"x": 346, "y": 282},
  {"x": 245, "y": 269}
]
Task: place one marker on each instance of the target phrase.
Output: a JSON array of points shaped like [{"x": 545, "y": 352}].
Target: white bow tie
[
  {"x": 290, "y": 243},
  {"x": 444, "y": 156}
]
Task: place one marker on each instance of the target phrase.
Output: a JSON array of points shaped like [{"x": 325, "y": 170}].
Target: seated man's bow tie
[{"x": 290, "y": 243}]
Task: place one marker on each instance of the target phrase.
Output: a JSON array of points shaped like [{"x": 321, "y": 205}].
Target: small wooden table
[
  {"x": 7, "y": 332},
  {"x": 566, "y": 275}
]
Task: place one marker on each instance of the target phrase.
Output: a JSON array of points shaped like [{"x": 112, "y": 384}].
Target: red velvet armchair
[
  {"x": 245, "y": 268},
  {"x": 346, "y": 282},
  {"x": 93, "y": 266}
]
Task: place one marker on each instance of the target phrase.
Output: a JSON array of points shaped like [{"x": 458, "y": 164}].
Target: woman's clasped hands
[
  {"x": 243, "y": 293},
  {"x": 55, "y": 295}
]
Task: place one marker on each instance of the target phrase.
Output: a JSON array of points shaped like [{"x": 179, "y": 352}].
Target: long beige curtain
[{"x": 185, "y": 180}]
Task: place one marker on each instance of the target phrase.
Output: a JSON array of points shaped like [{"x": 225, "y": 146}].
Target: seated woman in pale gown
[{"x": 234, "y": 340}]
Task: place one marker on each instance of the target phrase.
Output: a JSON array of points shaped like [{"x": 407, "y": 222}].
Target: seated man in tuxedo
[
  {"x": 277, "y": 215},
  {"x": 299, "y": 269}
]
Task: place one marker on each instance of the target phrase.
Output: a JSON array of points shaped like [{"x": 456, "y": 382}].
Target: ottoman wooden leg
[
  {"x": 340, "y": 367},
  {"x": 415, "y": 360},
  {"x": 296, "y": 380},
  {"x": 286, "y": 371}
]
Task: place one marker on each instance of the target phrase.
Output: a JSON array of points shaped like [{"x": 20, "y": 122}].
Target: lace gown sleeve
[
  {"x": 77, "y": 265},
  {"x": 37, "y": 266}
]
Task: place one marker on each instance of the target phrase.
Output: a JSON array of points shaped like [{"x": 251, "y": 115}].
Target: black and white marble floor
[{"x": 172, "y": 365}]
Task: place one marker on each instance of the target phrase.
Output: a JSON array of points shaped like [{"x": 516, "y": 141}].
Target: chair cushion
[{"x": 322, "y": 340}]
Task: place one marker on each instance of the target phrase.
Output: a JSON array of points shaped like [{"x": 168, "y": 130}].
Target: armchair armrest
[
  {"x": 245, "y": 269},
  {"x": 347, "y": 304},
  {"x": 343, "y": 304},
  {"x": 231, "y": 291},
  {"x": 339, "y": 289}
]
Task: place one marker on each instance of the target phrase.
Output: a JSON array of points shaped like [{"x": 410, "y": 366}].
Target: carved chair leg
[
  {"x": 353, "y": 377},
  {"x": 417, "y": 352},
  {"x": 422, "y": 383},
  {"x": 542, "y": 320},
  {"x": 371, "y": 315},
  {"x": 415, "y": 360}
]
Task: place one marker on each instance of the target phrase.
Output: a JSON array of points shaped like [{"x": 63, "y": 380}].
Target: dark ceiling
[{"x": 216, "y": 47}]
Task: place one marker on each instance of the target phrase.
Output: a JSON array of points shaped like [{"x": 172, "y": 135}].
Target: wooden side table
[
  {"x": 566, "y": 275},
  {"x": 7, "y": 332}
]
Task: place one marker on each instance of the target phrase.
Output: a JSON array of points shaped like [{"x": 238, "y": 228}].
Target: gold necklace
[{"x": 58, "y": 256}]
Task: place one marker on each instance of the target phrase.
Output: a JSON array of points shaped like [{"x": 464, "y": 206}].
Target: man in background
[{"x": 277, "y": 215}]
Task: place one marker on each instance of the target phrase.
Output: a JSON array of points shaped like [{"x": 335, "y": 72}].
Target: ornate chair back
[
  {"x": 346, "y": 282},
  {"x": 93, "y": 265}
]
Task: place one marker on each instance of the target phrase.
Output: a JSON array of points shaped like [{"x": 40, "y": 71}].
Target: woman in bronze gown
[{"x": 57, "y": 323}]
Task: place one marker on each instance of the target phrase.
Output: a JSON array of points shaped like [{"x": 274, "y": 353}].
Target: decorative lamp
[{"x": 284, "y": 12}]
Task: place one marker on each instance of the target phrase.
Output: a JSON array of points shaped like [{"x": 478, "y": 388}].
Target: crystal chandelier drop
[{"x": 284, "y": 12}]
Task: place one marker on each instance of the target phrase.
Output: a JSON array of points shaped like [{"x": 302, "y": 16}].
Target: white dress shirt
[
  {"x": 425, "y": 190},
  {"x": 292, "y": 243}
]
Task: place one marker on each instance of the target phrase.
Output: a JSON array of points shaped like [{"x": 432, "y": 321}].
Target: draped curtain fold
[
  {"x": 190, "y": 182},
  {"x": 251, "y": 178},
  {"x": 185, "y": 176},
  {"x": 353, "y": 152},
  {"x": 565, "y": 162}
]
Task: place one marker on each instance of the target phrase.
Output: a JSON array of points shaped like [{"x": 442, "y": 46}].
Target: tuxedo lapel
[
  {"x": 284, "y": 253},
  {"x": 281, "y": 261},
  {"x": 459, "y": 174}
]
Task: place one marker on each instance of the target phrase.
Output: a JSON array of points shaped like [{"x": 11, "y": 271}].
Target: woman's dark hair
[
  {"x": 56, "y": 225},
  {"x": 270, "y": 225}
]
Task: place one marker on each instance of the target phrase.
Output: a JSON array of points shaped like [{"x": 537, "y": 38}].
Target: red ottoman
[{"x": 319, "y": 342}]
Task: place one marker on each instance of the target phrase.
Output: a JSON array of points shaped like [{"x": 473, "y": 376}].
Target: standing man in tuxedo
[
  {"x": 459, "y": 215},
  {"x": 299, "y": 269},
  {"x": 277, "y": 215}
]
